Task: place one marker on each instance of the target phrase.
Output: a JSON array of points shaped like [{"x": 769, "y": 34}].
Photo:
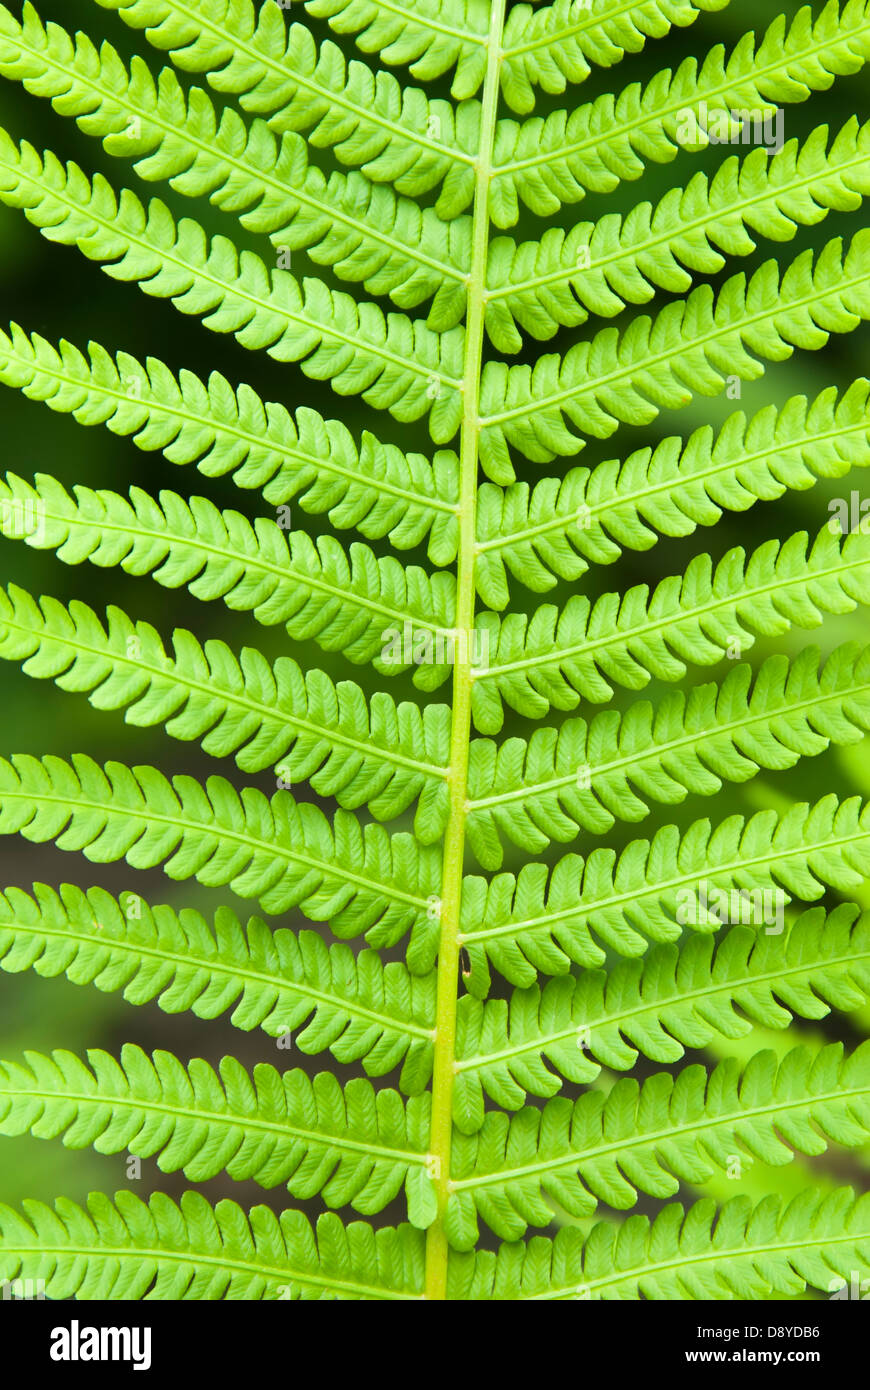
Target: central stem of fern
[{"x": 454, "y": 840}]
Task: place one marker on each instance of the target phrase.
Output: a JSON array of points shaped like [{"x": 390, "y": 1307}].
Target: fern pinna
[{"x": 491, "y": 947}]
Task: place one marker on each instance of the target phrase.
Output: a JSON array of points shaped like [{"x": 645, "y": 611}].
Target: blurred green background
[{"x": 56, "y": 292}]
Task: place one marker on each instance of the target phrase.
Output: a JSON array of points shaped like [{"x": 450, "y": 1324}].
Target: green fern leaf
[
  {"x": 547, "y": 661},
  {"x": 430, "y": 36},
  {"x": 743, "y": 1251},
  {"x": 373, "y": 487},
  {"x": 601, "y": 266},
  {"x": 408, "y": 369},
  {"x": 676, "y": 997},
  {"x": 647, "y": 1137},
  {"x": 361, "y": 753},
  {"x": 548, "y": 162},
  {"x": 160, "y": 1249},
  {"x": 395, "y": 134},
  {"x": 356, "y": 1146},
  {"x": 691, "y": 345},
  {"x": 283, "y": 853},
  {"x": 538, "y": 921},
  {"x": 279, "y": 981},
  {"x": 280, "y": 577},
  {"x": 548, "y": 47},
  {"x": 393, "y": 149},
  {"x": 586, "y": 776},
  {"x": 179, "y": 136},
  {"x": 556, "y": 528}
]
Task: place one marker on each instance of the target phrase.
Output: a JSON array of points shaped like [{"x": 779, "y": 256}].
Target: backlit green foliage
[{"x": 450, "y": 821}]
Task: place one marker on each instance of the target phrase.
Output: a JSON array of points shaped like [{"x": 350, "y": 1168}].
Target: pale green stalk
[{"x": 454, "y": 840}]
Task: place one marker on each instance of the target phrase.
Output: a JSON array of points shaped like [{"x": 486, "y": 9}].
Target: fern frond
[
  {"x": 396, "y": 134},
  {"x": 589, "y": 775},
  {"x": 395, "y": 363},
  {"x": 553, "y": 45},
  {"x": 431, "y": 37},
  {"x": 285, "y": 854},
  {"x": 740, "y": 1252},
  {"x": 541, "y": 920},
  {"x": 650, "y": 1137},
  {"x": 556, "y": 529},
  {"x": 691, "y": 347},
  {"x": 129, "y": 1249},
  {"x": 599, "y": 267},
  {"x": 349, "y": 1003},
  {"x": 375, "y": 488},
  {"x": 547, "y": 47},
  {"x": 356, "y": 1147},
  {"x": 362, "y": 752},
  {"x": 553, "y": 658},
  {"x": 453, "y": 991},
  {"x": 677, "y": 997},
  {"x": 362, "y": 230},
  {"x": 548, "y": 162},
  {"x": 345, "y": 601}
]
